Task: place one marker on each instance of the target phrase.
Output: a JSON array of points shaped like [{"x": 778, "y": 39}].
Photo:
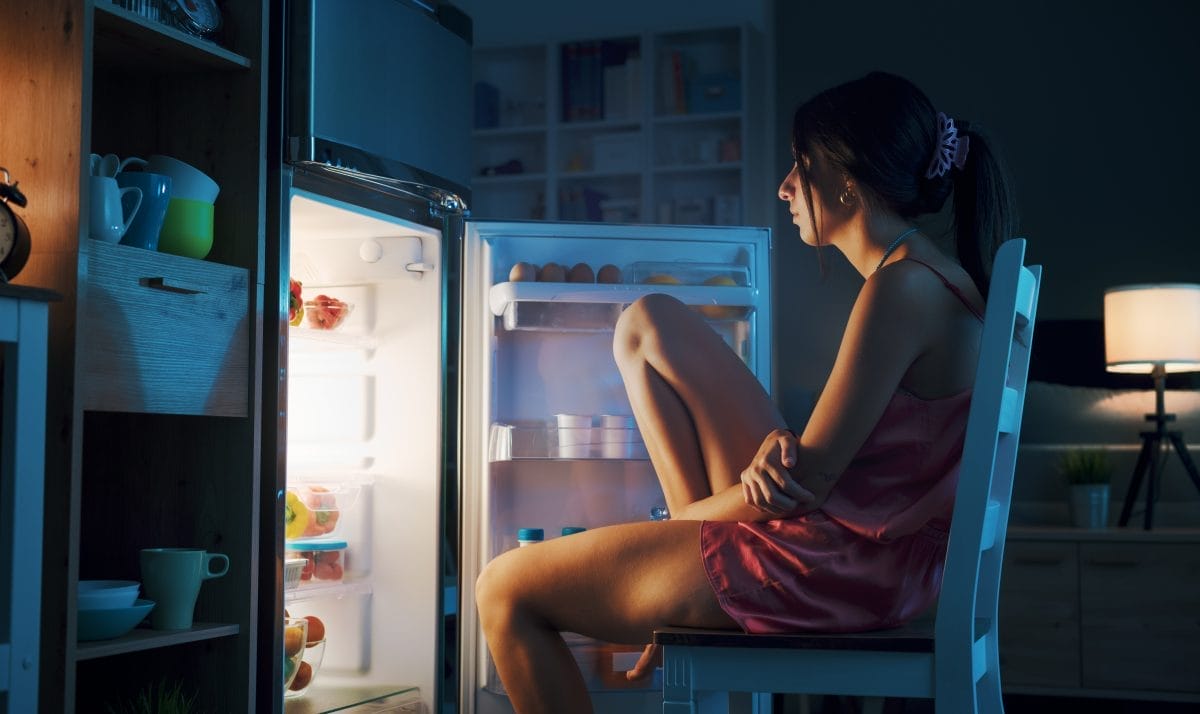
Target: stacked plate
[{"x": 109, "y": 608}]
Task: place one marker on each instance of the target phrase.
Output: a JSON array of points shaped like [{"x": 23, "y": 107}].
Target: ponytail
[{"x": 984, "y": 208}]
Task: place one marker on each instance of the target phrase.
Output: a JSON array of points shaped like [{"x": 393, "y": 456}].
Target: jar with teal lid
[
  {"x": 529, "y": 536},
  {"x": 569, "y": 530}
]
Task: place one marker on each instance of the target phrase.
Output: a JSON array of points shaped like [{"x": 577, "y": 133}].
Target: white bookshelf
[{"x": 683, "y": 141}]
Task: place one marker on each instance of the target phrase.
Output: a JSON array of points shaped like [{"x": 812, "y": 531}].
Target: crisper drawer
[
  {"x": 163, "y": 334},
  {"x": 1039, "y": 615},
  {"x": 1141, "y": 615}
]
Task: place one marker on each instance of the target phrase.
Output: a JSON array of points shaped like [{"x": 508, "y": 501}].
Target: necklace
[{"x": 888, "y": 252}]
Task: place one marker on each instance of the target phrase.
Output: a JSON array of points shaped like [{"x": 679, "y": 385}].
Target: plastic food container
[
  {"x": 325, "y": 504},
  {"x": 325, "y": 312},
  {"x": 326, "y": 560},
  {"x": 292, "y": 568}
]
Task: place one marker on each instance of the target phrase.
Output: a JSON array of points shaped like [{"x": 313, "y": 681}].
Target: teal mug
[{"x": 171, "y": 577}]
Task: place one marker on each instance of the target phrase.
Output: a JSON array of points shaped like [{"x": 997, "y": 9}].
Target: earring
[{"x": 847, "y": 198}]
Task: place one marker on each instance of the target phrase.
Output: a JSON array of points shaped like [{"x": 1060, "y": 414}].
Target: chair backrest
[{"x": 966, "y": 610}]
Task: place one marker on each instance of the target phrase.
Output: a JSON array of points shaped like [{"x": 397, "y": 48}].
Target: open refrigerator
[
  {"x": 429, "y": 451},
  {"x": 417, "y": 394}
]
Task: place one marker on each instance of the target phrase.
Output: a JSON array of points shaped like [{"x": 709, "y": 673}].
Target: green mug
[
  {"x": 187, "y": 228},
  {"x": 171, "y": 577}
]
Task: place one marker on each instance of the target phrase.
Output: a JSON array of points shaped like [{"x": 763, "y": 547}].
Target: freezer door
[{"x": 386, "y": 80}]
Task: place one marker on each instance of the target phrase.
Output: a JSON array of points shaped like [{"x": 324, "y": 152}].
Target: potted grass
[{"x": 1089, "y": 477}]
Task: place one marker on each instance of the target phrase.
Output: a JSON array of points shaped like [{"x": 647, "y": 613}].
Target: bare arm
[{"x": 888, "y": 330}]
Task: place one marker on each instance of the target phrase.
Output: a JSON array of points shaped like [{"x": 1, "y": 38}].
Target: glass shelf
[
  {"x": 329, "y": 693},
  {"x": 309, "y": 340},
  {"x": 334, "y": 590}
]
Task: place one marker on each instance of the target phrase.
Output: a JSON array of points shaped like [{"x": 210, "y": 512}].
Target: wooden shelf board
[
  {"x": 507, "y": 131},
  {"x": 697, "y": 117},
  {"x": 508, "y": 179},
  {"x": 129, "y": 41},
  {"x": 144, "y": 638},
  {"x": 691, "y": 168}
]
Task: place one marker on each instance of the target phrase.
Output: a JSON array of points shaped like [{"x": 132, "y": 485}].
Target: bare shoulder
[
  {"x": 918, "y": 285},
  {"x": 903, "y": 290}
]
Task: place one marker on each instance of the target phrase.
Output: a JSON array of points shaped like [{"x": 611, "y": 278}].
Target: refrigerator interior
[
  {"x": 545, "y": 348},
  {"x": 364, "y": 424}
]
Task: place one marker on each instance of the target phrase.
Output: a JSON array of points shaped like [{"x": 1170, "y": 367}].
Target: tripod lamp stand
[{"x": 1153, "y": 329}]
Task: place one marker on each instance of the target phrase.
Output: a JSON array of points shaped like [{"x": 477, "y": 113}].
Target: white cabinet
[{"x": 659, "y": 127}]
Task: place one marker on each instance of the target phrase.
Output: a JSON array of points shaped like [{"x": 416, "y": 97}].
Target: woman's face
[{"x": 823, "y": 187}]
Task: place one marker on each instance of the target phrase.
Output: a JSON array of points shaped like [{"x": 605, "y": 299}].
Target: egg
[
  {"x": 581, "y": 273},
  {"x": 609, "y": 274},
  {"x": 552, "y": 273},
  {"x": 523, "y": 272}
]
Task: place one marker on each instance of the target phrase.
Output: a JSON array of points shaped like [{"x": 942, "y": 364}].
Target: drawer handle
[{"x": 174, "y": 287}]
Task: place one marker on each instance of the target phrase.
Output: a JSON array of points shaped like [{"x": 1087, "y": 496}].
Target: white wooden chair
[{"x": 954, "y": 660}]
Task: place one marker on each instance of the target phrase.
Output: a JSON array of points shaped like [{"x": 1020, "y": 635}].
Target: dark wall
[{"x": 1093, "y": 104}]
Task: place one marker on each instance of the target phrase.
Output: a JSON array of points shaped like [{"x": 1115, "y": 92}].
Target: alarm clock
[{"x": 14, "y": 234}]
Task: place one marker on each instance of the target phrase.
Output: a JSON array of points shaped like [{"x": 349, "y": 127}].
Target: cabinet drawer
[
  {"x": 1039, "y": 615},
  {"x": 163, "y": 334},
  {"x": 1140, "y": 606}
]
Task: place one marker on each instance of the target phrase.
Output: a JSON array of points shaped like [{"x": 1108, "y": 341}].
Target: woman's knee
[
  {"x": 642, "y": 323},
  {"x": 497, "y": 591}
]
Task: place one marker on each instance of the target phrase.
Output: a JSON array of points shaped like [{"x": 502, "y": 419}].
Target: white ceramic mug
[{"x": 106, "y": 219}]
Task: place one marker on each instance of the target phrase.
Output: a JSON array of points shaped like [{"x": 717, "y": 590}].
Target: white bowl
[
  {"x": 107, "y": 594},
  {"x": 187, "y": 181}
]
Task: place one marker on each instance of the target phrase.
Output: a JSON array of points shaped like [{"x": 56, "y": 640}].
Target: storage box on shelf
[
  {"x": 153, "y": 358},
  {"x": 669, "y": 123}
]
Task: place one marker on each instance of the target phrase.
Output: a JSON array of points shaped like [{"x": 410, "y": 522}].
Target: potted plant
[{"x": 1089, "y": 476}]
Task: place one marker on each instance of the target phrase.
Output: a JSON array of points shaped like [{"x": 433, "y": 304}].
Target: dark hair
[{"x": 882, "y": 131}]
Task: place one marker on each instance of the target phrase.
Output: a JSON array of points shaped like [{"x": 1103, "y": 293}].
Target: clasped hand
[{"x": 768, "y": 484}]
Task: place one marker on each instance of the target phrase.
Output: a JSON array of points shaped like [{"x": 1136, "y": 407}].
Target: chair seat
[{"x": 909, "y": 638}]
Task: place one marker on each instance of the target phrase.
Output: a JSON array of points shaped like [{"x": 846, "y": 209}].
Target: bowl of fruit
[
  {"x": 314, "y": 652},
  {"x": 325, "y": 312},
  {"x": 295, "y": 636}
]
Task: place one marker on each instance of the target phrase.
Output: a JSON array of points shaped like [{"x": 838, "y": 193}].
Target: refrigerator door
[
  {"x": 366, "y": 404},
  {"x": 536, "y": 348},
  {"x": 383, "y": 87}
]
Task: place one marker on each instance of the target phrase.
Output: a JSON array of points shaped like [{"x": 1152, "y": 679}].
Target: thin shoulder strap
[{"x": 952, "y": 287}]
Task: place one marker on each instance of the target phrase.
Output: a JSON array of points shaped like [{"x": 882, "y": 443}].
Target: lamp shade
[{"x": 1149, "y": 325}]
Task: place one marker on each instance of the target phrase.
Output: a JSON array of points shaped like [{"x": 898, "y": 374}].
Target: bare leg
[
  {"x": 701, "y": 412},
  {"x": 615, "y": 584}
]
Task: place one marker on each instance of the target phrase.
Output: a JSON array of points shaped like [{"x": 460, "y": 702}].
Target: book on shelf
[{"x": 595, "y": 73}]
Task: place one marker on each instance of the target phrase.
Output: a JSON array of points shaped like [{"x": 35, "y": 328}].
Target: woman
[{"x": 842, "y": 527}]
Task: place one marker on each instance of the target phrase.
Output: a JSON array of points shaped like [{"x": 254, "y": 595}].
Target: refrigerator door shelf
[
  {"x": 513, "y": 442},
  {"x": 576, "y": 307}
]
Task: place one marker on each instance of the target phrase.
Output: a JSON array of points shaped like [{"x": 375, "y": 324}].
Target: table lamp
[{"x": 1153, "y": 329}]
